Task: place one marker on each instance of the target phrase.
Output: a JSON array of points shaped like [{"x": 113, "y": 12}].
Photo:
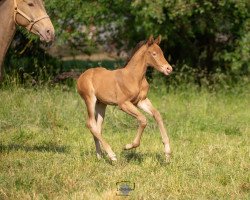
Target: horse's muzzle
[
  {"x": 167, "y": 69},
  {"x": 47, "y": 34}
]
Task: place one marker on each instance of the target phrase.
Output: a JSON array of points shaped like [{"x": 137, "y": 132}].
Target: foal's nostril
[
  {"x": 48, "y": 32},
  {"x": 169, "y": 69}
]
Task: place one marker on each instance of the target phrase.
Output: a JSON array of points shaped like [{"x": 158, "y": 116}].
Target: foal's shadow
[
  {"x": 132, "y": 156},
  {"x": 138, "y": 157},
  {"x": 47, "y": 147}
]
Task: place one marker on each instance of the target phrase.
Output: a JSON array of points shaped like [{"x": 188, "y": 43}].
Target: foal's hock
[{"x": 127, "y": 88}]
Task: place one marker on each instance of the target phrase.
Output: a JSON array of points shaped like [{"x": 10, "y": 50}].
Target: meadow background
[{"x": 46, "y": 152}]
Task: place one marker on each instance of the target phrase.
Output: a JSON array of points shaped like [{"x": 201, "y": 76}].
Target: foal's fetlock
[{"x": 167, "y": 148}]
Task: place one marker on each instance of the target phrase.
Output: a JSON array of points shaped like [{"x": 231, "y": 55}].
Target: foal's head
[
  {"x": 32, "y": 15},
  {"x": 155, "y": 57}
]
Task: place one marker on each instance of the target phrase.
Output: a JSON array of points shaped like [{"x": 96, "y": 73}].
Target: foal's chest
[{"x": 140, "y": 94}]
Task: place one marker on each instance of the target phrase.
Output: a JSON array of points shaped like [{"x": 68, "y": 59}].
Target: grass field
[{"x": 46, "y": 152}]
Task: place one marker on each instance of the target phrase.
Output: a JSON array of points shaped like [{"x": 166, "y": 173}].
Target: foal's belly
[{"x": 106, "y": 97}]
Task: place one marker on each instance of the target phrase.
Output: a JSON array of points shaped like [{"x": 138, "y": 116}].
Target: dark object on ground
[{"x": 66, "y": 75}]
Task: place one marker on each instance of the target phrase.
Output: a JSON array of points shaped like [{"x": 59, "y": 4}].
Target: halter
[{"x": 31, "y": 21}]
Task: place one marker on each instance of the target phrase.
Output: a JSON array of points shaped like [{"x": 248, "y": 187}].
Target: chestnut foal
[{"x": 126, "y": 87}]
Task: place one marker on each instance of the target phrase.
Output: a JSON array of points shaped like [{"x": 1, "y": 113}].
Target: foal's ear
[
  {"x": 158, "y": 40},
  {"x": 150, "y": 40}
]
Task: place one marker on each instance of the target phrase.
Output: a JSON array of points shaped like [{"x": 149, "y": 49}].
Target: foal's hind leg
[
  {"x": 93, "y": 127},
  {"x": 148, "y": 107},
  {"x": 129, "y": 108},
  {"x": 99, "y": 116}
]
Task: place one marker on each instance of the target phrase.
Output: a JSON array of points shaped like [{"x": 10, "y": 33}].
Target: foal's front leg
[
  {"x": 129, "y": 108},
  {"x": 147, "y": 106}
]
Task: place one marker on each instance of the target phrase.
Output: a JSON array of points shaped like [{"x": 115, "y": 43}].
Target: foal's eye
[
  {"x": 30, "y": 4},
  {"x": 154, "y": 53}
]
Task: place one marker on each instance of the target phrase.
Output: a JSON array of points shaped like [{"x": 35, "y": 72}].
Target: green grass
[{"x": 46, "y": 152}]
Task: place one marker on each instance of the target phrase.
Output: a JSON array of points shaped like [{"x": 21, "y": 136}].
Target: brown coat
[{"x": 127, "y": 88}]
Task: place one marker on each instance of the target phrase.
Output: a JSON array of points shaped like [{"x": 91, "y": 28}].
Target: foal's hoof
[
  {"x": 113, "y": 158},
  {"x": 128, "y": 147},
  {"x": 167, "y": 158},
  {"x": 131, "y": 146},
  {"x": 99, "y": 156}
]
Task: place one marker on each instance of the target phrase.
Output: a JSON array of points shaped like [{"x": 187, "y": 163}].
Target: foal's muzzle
[{"x": 167, "y": 69}]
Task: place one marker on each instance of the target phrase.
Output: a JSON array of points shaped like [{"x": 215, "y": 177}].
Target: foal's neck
[
  {"x": 137, "y": 66},
  {"x": 7, "y": 29}
]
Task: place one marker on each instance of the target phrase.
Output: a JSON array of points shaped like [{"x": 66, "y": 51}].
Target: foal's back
[{"x": 111, "y": 87}]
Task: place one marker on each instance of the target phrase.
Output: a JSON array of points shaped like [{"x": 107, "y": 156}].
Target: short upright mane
[{"x": 137, "y": 47}]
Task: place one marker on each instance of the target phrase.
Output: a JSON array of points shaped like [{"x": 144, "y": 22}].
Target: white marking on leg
[
  {"x": 113, "y": 157},
  {"x": 167, "y": 152},
  {"x": 167, "y": 149},
  {"x": 144, "y": 106}
]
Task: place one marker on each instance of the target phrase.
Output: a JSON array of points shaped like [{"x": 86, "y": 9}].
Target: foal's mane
[{"x": 137, "y": 47}]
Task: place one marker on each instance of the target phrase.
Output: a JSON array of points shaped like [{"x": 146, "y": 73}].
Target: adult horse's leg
[
  {"x": 92, "y": 125},
  {"x": 99, "y": 116},
  {"x": 2, "y": 54},
  {"x": 147, "y": 106},
  {"x": 129, "y": 108},
  {"x": 1, "y": 73}
]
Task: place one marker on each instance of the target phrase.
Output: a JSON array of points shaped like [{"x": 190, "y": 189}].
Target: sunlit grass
[{"x": 46, "y": 152}]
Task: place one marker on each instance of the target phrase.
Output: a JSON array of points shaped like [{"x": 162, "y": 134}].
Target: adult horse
[
  {"x": 30, "y": 14},
  {"x": 126, "y": 88}
]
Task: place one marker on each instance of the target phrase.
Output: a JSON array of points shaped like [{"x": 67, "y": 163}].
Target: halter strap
[{"x": 31, "y": 21}]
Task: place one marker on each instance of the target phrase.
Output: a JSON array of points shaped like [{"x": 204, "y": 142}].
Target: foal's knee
[
  {"x": 90, "y": 125},
  {"x": 143, "y": 121}
]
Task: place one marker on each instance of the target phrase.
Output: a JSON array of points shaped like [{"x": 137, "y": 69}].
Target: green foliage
[
  {"x": 28, "y": 61},
  {"x": 206, "y": 37},
  {"x": 201, "y": 34}
]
